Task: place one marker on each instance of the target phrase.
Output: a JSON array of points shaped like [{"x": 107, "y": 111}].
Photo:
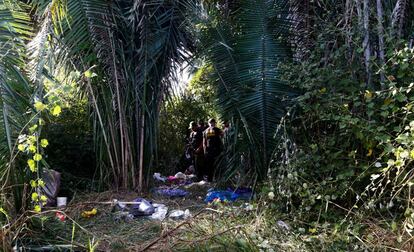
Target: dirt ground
[{"x": 108, "y": 233}]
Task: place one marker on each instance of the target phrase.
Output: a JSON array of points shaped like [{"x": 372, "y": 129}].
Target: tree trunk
[
  {"x": 398, "y": 17},
  {"x": 366, "y": 43},
  {"x": 141, "y": 154},
  {"x": 101, "y": 123},
  {"x": 381, "y": 43},
  {"x": 359, "y": 12},
  {"x": 349, "y": 8}
]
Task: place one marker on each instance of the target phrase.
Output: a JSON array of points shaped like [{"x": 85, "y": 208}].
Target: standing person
[
  {"x": 226, "y": 128},
  {"x": 201, "y": 125},
  {"x": 196, "y": 145},
  {"x": 212, "y": 147}
]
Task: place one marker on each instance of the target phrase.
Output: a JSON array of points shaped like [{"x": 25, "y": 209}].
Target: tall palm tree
[
  {"x": 128, "y": 51},
  {"x": 15, "y": 92},
  {"x": 132, "y": 48}
]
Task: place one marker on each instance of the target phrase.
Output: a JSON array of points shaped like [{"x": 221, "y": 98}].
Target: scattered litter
[
  {"x": 119, "y": 206},
  {"x": 180, "y": 175},
  {"x": 62, "y": 201},
  {"x": 202, "y": 183},
  {"x": 172, "y": 179},
  {"x": 191, "y": 176},
  {"x": 247, "y": 207},
  {"x": 283, "y": 225},
  {"x": 221, "y": 196},
  {"x": 144, "y": 208},
  {"x": 180, "y": 214},
  {"x": 170, "y": 192},
  {"x": 157, "y": 176},
  {"x": 61, "y": 216},
  {"x": 229, "y": 195},
  {"x": 51, "y": 178},
  {"x": 89, "y": 214},
  {"x": 160, "y": 212},
  {"x": 123, "y": 216}
]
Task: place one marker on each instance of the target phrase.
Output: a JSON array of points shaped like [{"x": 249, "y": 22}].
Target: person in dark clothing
[
  {"x": 202, "y": 125},
  {"x": 212, "y": 147},
  {"x": 196, "y": 145}
]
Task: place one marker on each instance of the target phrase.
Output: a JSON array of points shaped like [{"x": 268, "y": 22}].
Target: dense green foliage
[
  {"x": 319, "y": 95},
  {"x": 346, "y": 132},
  {"x": 345, "y": 146}
]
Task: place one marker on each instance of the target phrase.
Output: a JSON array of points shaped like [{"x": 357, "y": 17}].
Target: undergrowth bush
[{"x": 344, "y": 146}]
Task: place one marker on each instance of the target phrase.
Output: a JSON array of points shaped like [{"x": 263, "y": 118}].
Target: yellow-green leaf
[
  {"x": 33, "y": 183},
  {"x": 40, "y": 182},
  {"x": 37, "y": 157},
  {"x": 33, "y": 128},
  {"x": 56, "y": 110},
  {"x": 39, "y": 106},
  {"x": 90, "y": 74},
  {"x": 35, "y": 196},
  {"x": 368, "y": 94},
  {"x": 21, "y": 147},
  {"x": 394, "y": 226},
  {"x": 32, "y": 139},
  {"x": 37, "y": 209},
  {"x": 32, "y": 149},
  {"x": 32, "y": 165},
  {"x": 44, "y": 143}
]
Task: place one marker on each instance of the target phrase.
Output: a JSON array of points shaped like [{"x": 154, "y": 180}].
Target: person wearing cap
[
  {"x": 212, "y": 147},
  {"x": 196, "y": 146}
]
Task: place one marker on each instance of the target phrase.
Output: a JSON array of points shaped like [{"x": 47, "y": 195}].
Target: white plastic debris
[
  {"x": 283, "y": 225},
  {"x": 191, "y": 176},
  {"x": 247, "y": 207},
  {"x": 157, "y": 176},
  {"x": 180, "y": 214},
  {"x": 180, "y": 175},
  {"x": 160, "y": 212},
  {"x": 123, "y": 216},
  {"x": 200, "y": 184}
]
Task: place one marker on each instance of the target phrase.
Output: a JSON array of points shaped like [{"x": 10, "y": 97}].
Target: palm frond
[
  {"x": 245, "y": 55},
  {"x": 15, "y": 91}
]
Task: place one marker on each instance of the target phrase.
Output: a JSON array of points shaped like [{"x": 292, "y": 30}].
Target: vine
[{"x": 33, "y": 146}]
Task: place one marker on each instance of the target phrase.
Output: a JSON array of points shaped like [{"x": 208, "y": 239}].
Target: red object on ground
[
  {"x": 172, "y": 179},
  {"x": 61, "y": 216}
]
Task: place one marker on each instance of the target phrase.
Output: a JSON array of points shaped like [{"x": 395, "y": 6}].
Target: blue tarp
[{"x": 229, "y": 195}]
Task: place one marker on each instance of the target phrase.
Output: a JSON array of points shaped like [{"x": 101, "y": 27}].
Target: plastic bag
[
  {"x": 220, "y": 195},
  {"x": 160, "y": 213},
  {"x": 157, "y": 176},
  {"x": 172, "y": 192},
  {"x": 229, "y": 195},
  {"x": 180, "y": 175},
  {"x": 144, "y": 208},
  {"x": 180, "y": 214},
  {"x": 52, "y": 185}
]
